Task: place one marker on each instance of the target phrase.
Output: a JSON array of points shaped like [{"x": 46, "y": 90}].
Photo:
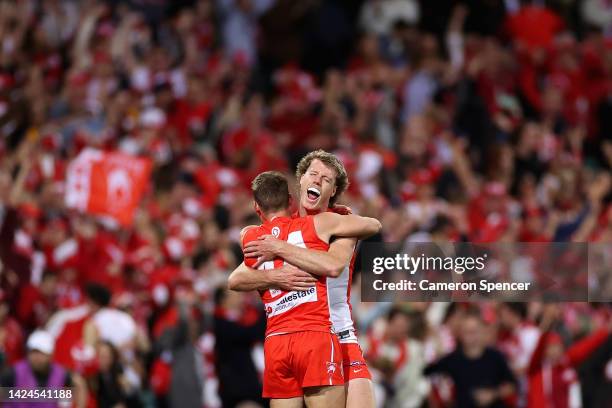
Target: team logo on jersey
[
  {"x": 275, "y": 292},
  {"x": 331, "y": 367},
  {"x": 276, "y": 232}
]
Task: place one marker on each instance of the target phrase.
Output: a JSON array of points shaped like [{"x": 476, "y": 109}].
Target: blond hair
[{"x": 330, "y": 161}]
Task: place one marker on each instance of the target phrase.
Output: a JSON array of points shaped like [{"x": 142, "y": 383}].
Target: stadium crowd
[{"x": 476, "y": 120}]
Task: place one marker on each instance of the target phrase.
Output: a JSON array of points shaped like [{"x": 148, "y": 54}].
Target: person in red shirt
[
  {"x": 36, "y": 302},
  {"x": 299, "y": 332},
  {"x": 534, "y": 26},
  {"x": 322, "y": 179},
  {"x": 11, "y": 335},
  {"x": 551, "y": 372}
]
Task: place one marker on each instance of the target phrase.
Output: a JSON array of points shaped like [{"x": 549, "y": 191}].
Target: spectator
[
  {"x": 239, "y": 19},
  {"x": 11, "y": 336},
  {"x": 412, "y": 388},
  {"x": 36, "y": 301},
  {"x": 186, "y": 388},
  {"x": 480, "y": 374},
  {"x": 518, "y": 337},
  {"x": 595, "y": 376},
  {"x": 237, "y": 329},
  {"x": 551, "y": 357},
  {"x": 37, "y": 369},
  {"x": 378, "y": 16},
  {"x": 395, "y": 351},
  {"x": 109, "y": 385}
]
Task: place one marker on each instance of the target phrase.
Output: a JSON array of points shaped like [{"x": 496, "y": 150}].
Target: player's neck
[
  {"x": 277, "y": 214},
  {"x": 304, "y": 212}
]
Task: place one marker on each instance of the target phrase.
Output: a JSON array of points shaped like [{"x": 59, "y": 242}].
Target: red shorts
[
  {"x": 297, "y": 360},
  {"x": 353, "y": 363}
]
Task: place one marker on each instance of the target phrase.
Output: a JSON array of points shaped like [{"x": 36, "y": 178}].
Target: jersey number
[{"x": 294, "y": 238}]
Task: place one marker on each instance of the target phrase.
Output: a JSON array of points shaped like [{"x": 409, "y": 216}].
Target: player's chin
[{"x": 311, "y": 205}]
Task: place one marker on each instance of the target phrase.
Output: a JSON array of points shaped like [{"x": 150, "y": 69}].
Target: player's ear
[{"x": 257, "y": 209}]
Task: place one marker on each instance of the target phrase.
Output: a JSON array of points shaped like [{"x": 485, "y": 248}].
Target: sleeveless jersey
[
  {"x": 292, "y": 311},
  {"x": 340, "y": 310},
  {"x": 339, "y": 298}
]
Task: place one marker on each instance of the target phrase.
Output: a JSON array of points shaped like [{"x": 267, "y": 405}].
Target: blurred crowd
[{"x": 475, "y": 120}]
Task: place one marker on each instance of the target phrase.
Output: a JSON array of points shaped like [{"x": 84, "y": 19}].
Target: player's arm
[
  {"x": 287, "y": 277},
  {"x": 322, "y": 263},
  {"x": 329, "y": 224},
  {"x": 245, "y": 279}
]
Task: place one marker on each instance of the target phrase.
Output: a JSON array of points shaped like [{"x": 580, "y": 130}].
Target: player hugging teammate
[{"x": 302, "y": 265}]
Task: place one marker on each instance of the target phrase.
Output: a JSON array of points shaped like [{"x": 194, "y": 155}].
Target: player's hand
[
  {"x": 342, "y": 209},
  {"x": 290, "y": 278},
  {"x": 265, "y": 248}
]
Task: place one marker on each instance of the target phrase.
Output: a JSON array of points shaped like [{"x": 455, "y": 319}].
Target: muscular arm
[
  {"x": 323, "y": 263},
  {"x": 330, "y": 224},
  {"x": 245, "y": 279}
]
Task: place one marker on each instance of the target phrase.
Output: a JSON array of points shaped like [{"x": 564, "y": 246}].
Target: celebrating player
[
  {"x": 322, "y": 179},
  {"x": 302, "y": 355}
]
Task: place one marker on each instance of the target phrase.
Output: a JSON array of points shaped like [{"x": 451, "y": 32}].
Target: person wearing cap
[{"x": 37, "y": 369}]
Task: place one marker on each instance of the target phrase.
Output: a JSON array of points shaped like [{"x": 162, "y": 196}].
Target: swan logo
[{"x": 276, "y": 232}]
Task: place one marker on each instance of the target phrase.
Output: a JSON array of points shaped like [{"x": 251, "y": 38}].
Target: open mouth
[{"x": 313, "y": 193}]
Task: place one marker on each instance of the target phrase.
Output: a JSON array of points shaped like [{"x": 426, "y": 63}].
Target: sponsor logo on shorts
[
  {"x": 291, "y": 300},
  {"x": 331, "y": 367}
]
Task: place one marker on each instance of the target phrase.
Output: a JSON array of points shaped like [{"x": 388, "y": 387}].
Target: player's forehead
[{"x": 317, "y": 166}]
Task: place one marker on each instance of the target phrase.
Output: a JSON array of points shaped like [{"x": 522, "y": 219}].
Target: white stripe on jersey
[
  {"x": 331, "y": 359},
  {"x": 339, "y": 310}
]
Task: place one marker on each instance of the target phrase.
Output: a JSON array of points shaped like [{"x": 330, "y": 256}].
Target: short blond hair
[{"x": 331, "y": 161}]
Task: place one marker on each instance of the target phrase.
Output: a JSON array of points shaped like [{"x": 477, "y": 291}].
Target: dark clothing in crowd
[
  {"x": 490, "y": 370},
  {"x": 109, "y": 392},
  {"x": 13, "y": 260},
  {"x": 187, "y": 381},
  {"x": 596, "y": 377},
  {"x": 238, "y": 377}
]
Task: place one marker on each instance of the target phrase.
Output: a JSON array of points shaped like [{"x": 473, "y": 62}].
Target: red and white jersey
[
  {"x": 340, "y": 310},
  {"x": 295, "y": 310},
  {"x": 519, "y": 345}
]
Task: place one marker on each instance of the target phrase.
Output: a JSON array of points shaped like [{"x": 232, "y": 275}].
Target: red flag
[{"x": 107, "y": 183}]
